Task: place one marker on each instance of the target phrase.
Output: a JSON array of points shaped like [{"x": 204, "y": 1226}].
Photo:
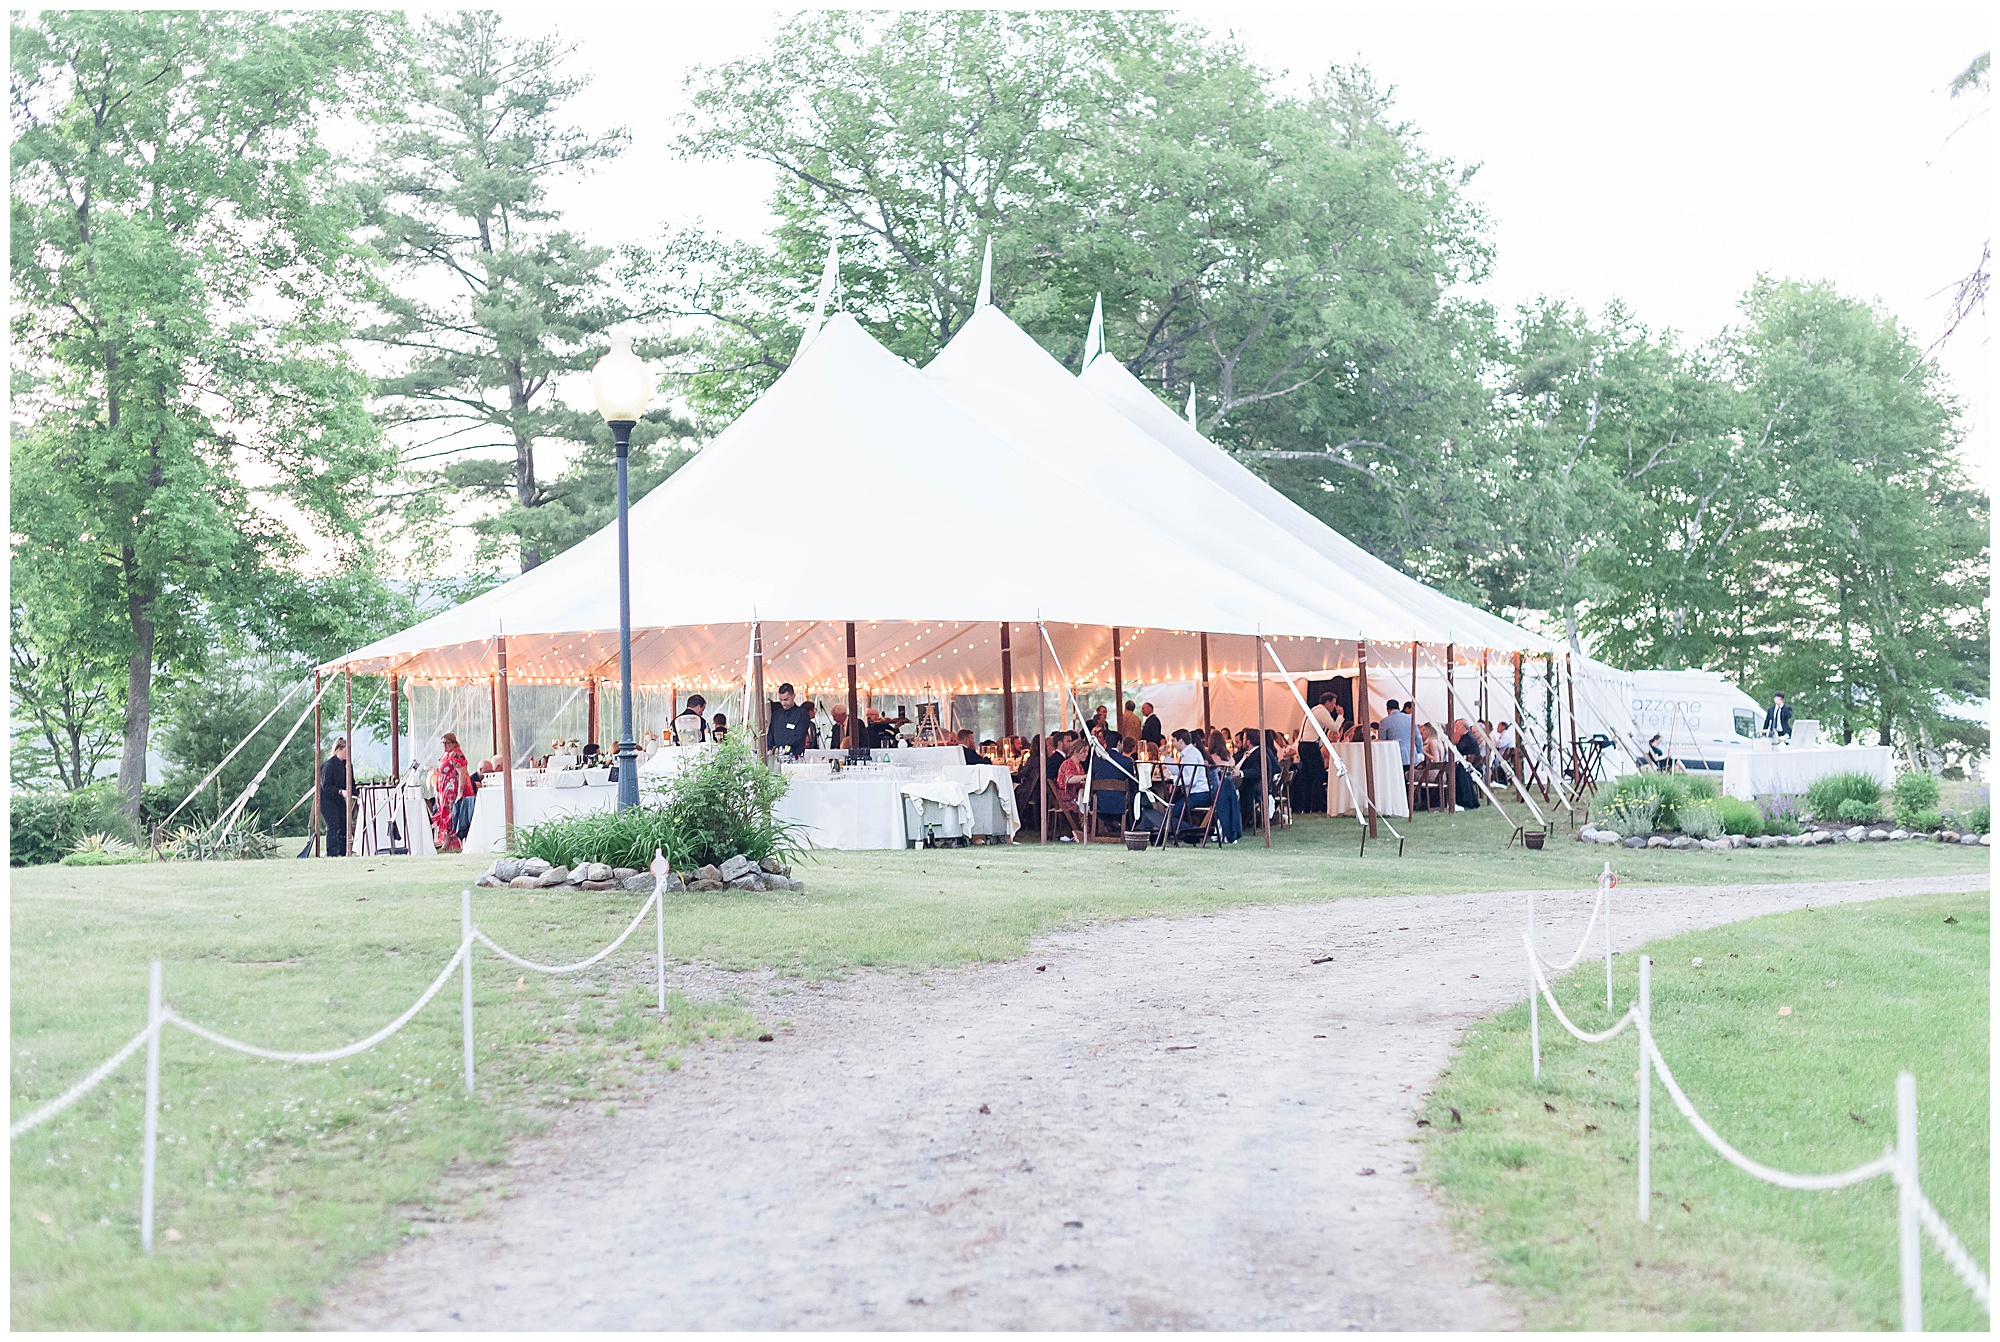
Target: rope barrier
[
  {"x": 327, "y": 1055},
  {"x": 233, "y": 752},
  {"x": 83, "y": 1087},
  {"x": 1596, "y": 907},
  {"x": 1898, "y": 1162},
  {"x": 1333, "y": 756},
  {"x": 506, "y": 954}
]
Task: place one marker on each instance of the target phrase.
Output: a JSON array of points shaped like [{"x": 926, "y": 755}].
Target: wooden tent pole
[
  {"x": 505, "y": 728},
  {"x": 1263, "y": 751},
  {"x": 757, "y": 722},
  {"x": 1416, "y": 737},
  {"x": 1362, "y": 729},
  {"x": 1575, "y": 737},
  {"x": 1007, "y": 682},
  {"x": 493, "y": 711},
  {"x": 1206, "y": 721},
  {"x": 854, "y": 738},
  {"x": 1117, "y": 682},
  {"x": 348, "y": 806},
  {"x": 1450, "y": 716},
  {"x": 1042, "y": 708},
  {"x": 318, "y": 742},
  {"x": 395, "y": 730},
  {"x": 591, "y": 728}
]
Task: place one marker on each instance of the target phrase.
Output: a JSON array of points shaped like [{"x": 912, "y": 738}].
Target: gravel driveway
[{"x": 1195, "y": 1123}]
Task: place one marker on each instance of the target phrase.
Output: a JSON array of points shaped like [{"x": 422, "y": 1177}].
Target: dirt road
[{"x": 1201, "y": 1123}]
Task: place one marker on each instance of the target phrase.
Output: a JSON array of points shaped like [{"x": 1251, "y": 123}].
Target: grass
[
  {"x": 277, "y": 1179},
  {"x": 1541, "y": 1175}
]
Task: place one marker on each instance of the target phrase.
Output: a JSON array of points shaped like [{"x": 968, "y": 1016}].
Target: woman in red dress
[{"x": 454, "y": 780}]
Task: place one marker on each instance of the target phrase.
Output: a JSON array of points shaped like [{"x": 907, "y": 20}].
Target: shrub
[
  {"x": 1702, "y": 789},
  {"x": 1740, "y": 817},
  {"x": 1916, "y": 794},
  {"x": 1826, "y": 794},
  {"x": 1858, "y": 812},
  {"x": 1922, "y": 822},
  {"x": 1648, "y": 800},
  {"x": 1629, "y": 813},
  {"x": 43, "y": 826},
  {"x": 102, "y": 859},
  {"x": 1781, "y": 813},
  {"x": 718, "y": 806},
  {"x": 1701, "y": 818},
  {"x": 1979, "y": 817}
]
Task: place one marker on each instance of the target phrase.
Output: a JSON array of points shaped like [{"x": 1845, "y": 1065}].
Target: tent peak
[
  {"x": 985, "y": 298},
  {"x": 829, "y": 279},
  {"x": 1093, "y": 341}
]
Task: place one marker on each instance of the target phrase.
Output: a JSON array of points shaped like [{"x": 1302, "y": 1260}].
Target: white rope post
[
  {"x": 465, "y": 940},
  {"x": 1645, "y": 1088},
  {"x": 1607, "y": 881},
  {"x": 660, "y": 925},
  {"x": 152, "y": 1134},
  {"x": 1534, "y": 1007},
  {"x": 1908, "y": 1196}
]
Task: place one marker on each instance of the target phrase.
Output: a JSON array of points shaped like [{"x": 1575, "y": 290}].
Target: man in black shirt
[
  {"x": 1778, "y": 719},
  {"x": 333, "y": 793},
  {"x": 791, "y": 723},
  {"x": 1151, "y": 731}
]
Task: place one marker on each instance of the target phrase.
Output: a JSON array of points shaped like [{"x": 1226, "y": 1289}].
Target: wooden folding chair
[
  {"x": 1092, "y": 815},
  {"x": 1201, "y": 816}
]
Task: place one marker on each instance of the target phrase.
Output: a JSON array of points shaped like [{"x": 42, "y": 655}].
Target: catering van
[{"x": 1698, "y": 715}]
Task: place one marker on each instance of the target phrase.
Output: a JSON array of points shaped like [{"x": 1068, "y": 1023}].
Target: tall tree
[
  {"x": 1297, "y": 259},
  {"x": 490, "y": 299},
  {"x": 68, "y": 699},
  {"x": 180, "y": 254}
]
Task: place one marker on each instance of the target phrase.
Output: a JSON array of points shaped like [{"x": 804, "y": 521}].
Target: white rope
[
  {"x": 1531, "y": 742},
  {"x": 1954, "y": 1253},
  {"x": 1630, "y": 1016},
  {"x": 81, "y": 1088},
  {"x": 228, "y": 817},
  {"x": 329, "y": 1055},
  {"x": 1581, "y": 946},
  {"x": 1882, "y": 1164},
  {"x": 234, "y": 751},
  {"x": 506, "y": 954},
  {"x": 1478, "y": 777}
]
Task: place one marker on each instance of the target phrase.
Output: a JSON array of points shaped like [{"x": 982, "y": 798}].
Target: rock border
[
  {"x": 737, "y": 873},
  {"x": 1814, "y": 836}
]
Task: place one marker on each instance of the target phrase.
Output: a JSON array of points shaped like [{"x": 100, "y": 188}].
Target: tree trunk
[
  {"x": 138, "y": 698},
  {"x": 524, "y": 459}
]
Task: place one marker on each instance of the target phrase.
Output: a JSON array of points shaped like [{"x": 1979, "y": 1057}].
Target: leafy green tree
[
  {"x": 1295, "y": 258},
  {"x": 1869, "y": 569},
  {"x": 490, "y": 301},
  {"x": 180, "y": 260},
  {"x": 68, "y": 705}
]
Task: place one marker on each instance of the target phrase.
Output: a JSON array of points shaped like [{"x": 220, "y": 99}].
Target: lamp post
[{"x": 622, "y": 386}]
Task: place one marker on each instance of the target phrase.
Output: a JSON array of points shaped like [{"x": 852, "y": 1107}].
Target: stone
[
  {"x": 710, "y": 873},
  {"x": 1898, "y": 834},
  {"x": 736, "y": 868},
  {"x": 507, "y": 868},
  {"x": 1825, "y": 836},
  {"x": 749, "y": 880},
  {"x": 533, "y": 866},
  {"x": 639, "y": 883},
  {"x": 597, "y": 885},
  {"x": 1972, "y": 840},
  {"x": 1795, "y": 840},
  {"x": 1856, "y": 833},
  {"x": 1681, "y": 841},
  {"x": 797, "y": 886},
  {"x": 1986, "y": 840},
  {"x": 620, "y": 873},
  {"x": 591, "y": 871},
  {"x": 490, "y": 881},
  {"x": 706, "y": 887},
  {"x": 772, "y": 866},
  {"x": 1588, "y": 834},
  {"x": 1634, "y": 842},
  {"x": 1657, "y": 841},
  {"x": 1878, "y": 836},
  {"x": 1605, "y": 836},
  {"x": 553, "y": 877},
  {"x": 1947, "y": 836},
  {"x": 525, "y": 882}
]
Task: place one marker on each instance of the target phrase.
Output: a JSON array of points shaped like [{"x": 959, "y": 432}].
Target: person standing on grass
[{"x": 333, "y": 795}]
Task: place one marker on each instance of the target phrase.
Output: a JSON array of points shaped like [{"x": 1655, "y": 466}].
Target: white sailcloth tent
[{"x": 1023, "y": 495}]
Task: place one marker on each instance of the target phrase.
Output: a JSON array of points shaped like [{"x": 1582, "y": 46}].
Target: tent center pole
[
  {"x": 1042, "y": 708},
  {"x": 1450, "y": 717},
  {"x": 763, "y": 708},
  {"x": 395, "y": 730},
  {"x": 1007, "y": 682},
  {"x": 1263, "y": 751},
  {"x": 348, "y": 805},
  {"x": 1416, "y": 738},
  {"x": 854, "y": 740},
  {"x": 505, "y": 730},
  {"x": 319, "y": 742},
  {"x": 591, "y": 712},
  {"x": 1207, "y": 724},
  {"x": 1117, "y": 683}
]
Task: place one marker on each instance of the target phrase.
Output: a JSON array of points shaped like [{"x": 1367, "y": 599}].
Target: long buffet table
[{"x": 1764, "y": 769}]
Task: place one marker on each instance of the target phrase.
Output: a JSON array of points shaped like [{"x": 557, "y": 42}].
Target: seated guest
[
  {"x": 718, "y": 729},
  {"x": 1192, "y": 773},
  {"x": 1070, "y": 773},
  {"x": 1150, "y": 730},
  {"x": 972, "y": 756},
  {"x": 1656, "y": 754},
  {"x": 838, "y": 735},
  {"x": 1465, "y": 791},
  {"x": 590, "y": 755},
  {"x": 791, "y": 724},
  {"x": 690, "y": 725},
  {"x": 1113, "y": 766},
  {"x": 1432, "y": 752}
]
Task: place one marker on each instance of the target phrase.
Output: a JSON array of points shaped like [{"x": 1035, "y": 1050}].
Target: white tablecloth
[
  {"x": 1761, "y": 770},
  {"x": 379, "y": 807},
  {"x": 989, "y": 789},
  {"x": 1392, "y": 797},
  {"x": 532, "y": 805},
  {"x": 847, "y": 812}
]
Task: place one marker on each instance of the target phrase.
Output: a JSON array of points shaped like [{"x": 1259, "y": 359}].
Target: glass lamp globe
[{"x": 621, "y": 384}]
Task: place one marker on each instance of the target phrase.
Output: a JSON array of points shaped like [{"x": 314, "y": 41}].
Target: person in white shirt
[
  {"x": 1326, "y": 713},
  {"x": 1191, "y": 772}
]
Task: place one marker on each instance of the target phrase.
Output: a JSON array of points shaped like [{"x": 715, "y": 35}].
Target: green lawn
[
  {"x": 1541, "y": 1176},
  {"x": 277, "y": 1179}
]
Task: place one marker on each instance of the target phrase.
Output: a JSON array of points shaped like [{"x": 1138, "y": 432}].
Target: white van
[{"x": 1697, "y": 715}]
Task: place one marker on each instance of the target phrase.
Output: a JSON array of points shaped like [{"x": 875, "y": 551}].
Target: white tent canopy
[{"x": 1021, "y": 494}]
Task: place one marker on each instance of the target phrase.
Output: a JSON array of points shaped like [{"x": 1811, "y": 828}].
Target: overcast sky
[{"x": 1662, "y": 155}]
